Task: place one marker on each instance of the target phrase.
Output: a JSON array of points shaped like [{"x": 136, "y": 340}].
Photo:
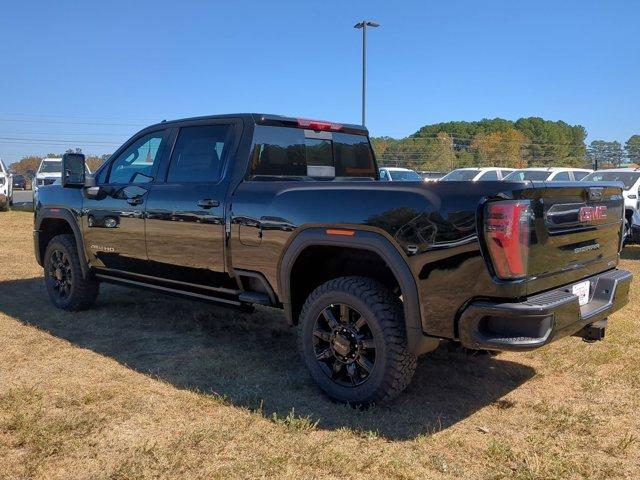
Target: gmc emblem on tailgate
[{"x": 597, "y": 212}]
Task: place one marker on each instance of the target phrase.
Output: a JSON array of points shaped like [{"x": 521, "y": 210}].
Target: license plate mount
[{"x": 582, "y": 290}]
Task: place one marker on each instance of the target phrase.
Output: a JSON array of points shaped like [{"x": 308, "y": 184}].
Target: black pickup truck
[{"x": 261, "y": 209}]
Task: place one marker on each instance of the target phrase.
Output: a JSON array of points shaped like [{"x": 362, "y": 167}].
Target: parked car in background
[
  {"x": 6, "y": 187},
  {"x": 630, "y": 179},
  {"x": 548, "y": 174},
  {"x": 398, "y": 174},
  {"x": 431, "y": 176},
  {"x": 473, "y": 174},
  {"x": 48, "y": 173},
  {"x": 19, "y": 182}
]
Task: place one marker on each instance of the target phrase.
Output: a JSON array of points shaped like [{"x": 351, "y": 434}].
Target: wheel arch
[
  {"x": 57, "y": 221},
  {"x": 364, "y": 240}
]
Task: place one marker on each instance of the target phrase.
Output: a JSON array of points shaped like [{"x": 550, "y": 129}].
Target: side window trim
[
  {"x": 107, "y": 166},
  {"x": 163, "y": 168}
]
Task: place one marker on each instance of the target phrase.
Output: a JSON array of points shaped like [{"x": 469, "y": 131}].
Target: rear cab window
[{"x": 289, "y": 153}]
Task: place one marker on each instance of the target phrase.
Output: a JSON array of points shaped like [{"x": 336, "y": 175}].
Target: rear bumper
[{"x": 542, "y": 318}]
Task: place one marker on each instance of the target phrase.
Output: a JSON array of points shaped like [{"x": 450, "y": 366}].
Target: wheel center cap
[{"x": 343, "y": 343}]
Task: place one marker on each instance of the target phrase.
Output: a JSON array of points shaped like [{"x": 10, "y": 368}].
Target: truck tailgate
[{"x": 577, "y": 232}]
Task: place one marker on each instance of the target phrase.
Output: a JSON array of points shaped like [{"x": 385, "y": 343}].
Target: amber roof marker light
[{"x": 344, "y": 233}]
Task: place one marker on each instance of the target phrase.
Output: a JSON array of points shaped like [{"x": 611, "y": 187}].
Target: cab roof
[{"x": 272, "y": 119}]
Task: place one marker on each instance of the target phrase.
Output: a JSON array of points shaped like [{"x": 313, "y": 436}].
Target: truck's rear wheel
[
  {"x": 352, "y": 338},
  {"x": 66, "y": 286}
]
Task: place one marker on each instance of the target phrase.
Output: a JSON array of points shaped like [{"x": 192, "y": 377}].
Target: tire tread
[
  {"x": 388, "y": 311},
  {"x": 85, "y": 289}
]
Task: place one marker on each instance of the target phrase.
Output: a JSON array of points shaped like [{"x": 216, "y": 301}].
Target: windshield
[
  {"x": 459, "y": 175},
  {"x": 522, "y": 175},
  {"x": 404, "y": 176},
  {"x": 627, "y": 178},
  {"x": 49, "y": 166}
]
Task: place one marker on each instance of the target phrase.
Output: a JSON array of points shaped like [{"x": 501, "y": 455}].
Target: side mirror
[{"x": 73, "y": 170}]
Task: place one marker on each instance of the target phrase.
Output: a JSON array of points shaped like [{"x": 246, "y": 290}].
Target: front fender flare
[{"x": 68, "y": 216}]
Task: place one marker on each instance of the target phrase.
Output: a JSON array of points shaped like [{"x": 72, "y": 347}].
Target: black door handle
[
  {"x": 208, "y": 203},
  {"x": 134, "y": 200}
]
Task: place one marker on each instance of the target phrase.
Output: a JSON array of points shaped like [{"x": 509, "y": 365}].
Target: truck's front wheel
[
  {"x": 66, "y": 286},
  {"x": 352, "y": 338}
]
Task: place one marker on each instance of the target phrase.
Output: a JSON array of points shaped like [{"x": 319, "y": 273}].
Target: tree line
[{"x": 532, "y": 142}]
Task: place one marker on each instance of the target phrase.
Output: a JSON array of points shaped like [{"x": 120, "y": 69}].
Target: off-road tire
[
  {"x": 394, "y": 365},
  {"x": 83, "y": 291}
]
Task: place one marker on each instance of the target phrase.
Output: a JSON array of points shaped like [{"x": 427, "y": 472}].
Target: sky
[{"x": 90, "y": 74}]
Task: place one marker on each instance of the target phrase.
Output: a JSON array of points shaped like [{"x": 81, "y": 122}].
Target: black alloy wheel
[
  {"x": 352, "y": 338},
  {"x": 68, "y": 287},
  {"x": 61, "y": 274},
  {"x": 344, "y": 345}
]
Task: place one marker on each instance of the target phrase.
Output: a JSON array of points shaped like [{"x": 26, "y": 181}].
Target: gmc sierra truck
[{"x": 254, "y": 209}]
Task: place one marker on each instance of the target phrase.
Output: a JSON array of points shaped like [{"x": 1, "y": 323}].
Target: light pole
[{"x": 363, "y": 25}]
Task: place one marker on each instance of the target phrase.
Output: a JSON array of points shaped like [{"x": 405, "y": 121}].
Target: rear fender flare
[{"x": 365, "y": 240}]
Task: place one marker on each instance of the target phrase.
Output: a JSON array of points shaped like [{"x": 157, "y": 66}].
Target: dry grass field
[{"x": 146, "y": 386}]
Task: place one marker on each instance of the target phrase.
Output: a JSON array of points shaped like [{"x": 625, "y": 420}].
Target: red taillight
[
  {"x": 318, "y": 125},
  {"x": 507, "y": 229}
]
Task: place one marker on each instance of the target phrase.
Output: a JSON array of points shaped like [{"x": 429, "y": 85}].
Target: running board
[
  {"x": 159, "y": 288},
  {"x": 255, "y": 297}
]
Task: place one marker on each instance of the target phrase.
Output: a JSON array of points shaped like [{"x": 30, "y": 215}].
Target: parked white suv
[
  {"x": 6, "y": 187},
  {"x": 630, "y": 178},
  {"x": 548, "y": 174},
  {"x": 49, "y": 171},
  {"x": 398, "y": 174},
  {"x": 474, "y": 174}
]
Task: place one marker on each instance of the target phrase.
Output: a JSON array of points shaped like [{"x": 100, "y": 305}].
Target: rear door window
[
  {"x": 199, "y": 153},
  {"x": 287, "y": 153},
  {"x": 562, "y": 177}
]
